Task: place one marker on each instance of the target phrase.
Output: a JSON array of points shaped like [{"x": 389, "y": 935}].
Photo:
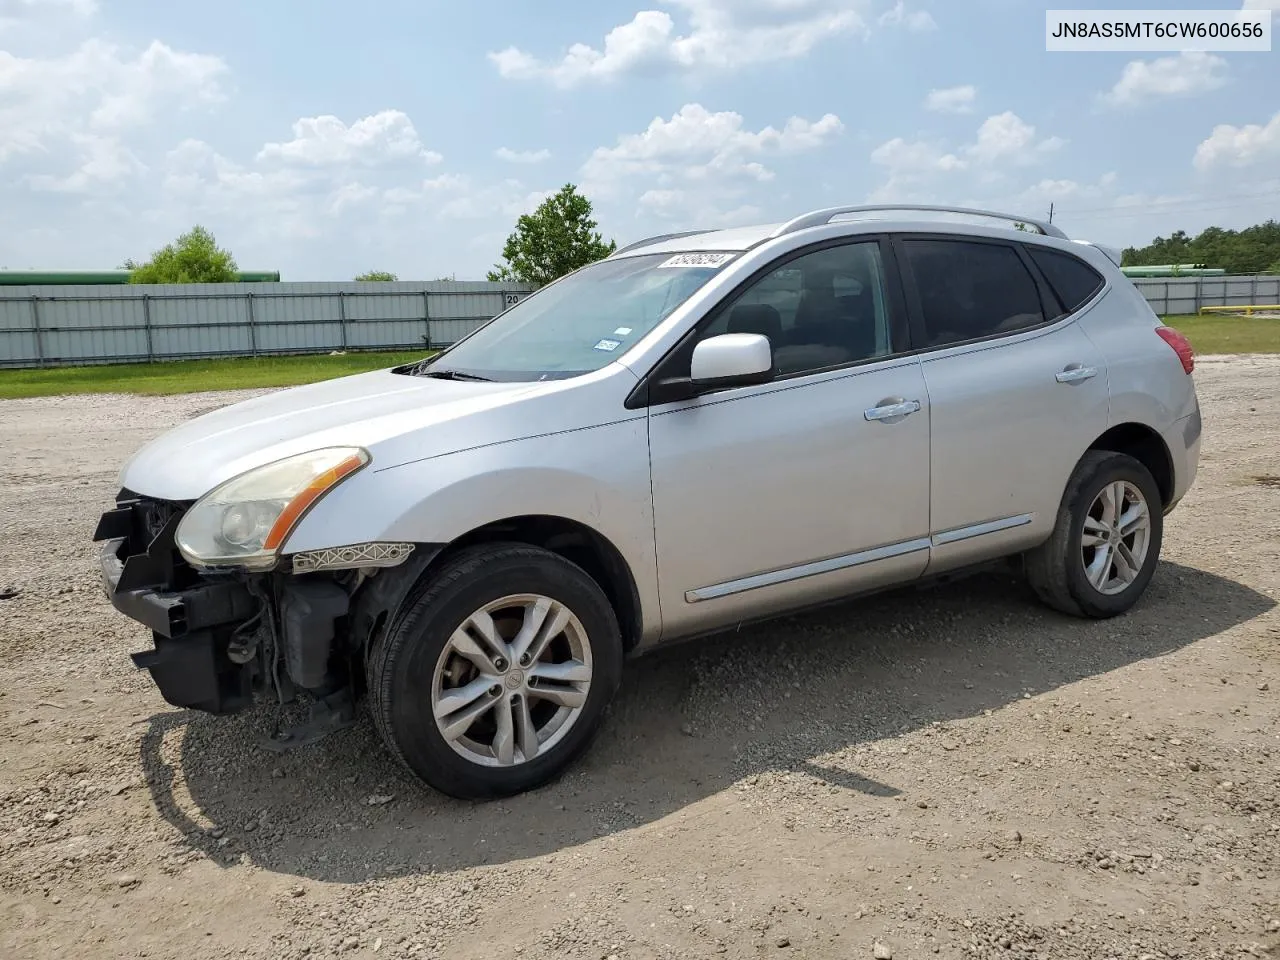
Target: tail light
[{"x": 1181, "y": 346}]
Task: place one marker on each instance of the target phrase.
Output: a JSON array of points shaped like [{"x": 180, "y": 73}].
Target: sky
[{"x": 323, "y": 139}]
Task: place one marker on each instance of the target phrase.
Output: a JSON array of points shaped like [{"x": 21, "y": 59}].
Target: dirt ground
[{"x": 953, "y": 772}]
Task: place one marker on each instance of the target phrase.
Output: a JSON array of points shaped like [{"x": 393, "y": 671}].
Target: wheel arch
[
  {"x": 1145, "y": 445},
  {"x": 578, "y": 543},
  {"x": 570, "y": 539}
]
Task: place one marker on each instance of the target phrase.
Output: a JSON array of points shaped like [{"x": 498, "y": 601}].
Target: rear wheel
[
  {"x": 1106, "y": 542},
  {"x": 496, "y": 676}
]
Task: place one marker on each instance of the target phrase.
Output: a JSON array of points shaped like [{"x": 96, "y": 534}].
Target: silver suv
[{"x": 700, "y": 430}]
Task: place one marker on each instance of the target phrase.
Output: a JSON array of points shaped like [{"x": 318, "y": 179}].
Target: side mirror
[{"x": 732, "y": 360}]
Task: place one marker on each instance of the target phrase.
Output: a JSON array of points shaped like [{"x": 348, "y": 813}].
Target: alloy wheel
[
  {"x": 1116, "y": 537},
  {"x": 512, "y": 680}
]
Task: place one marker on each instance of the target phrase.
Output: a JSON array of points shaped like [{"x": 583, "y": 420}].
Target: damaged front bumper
[{"x": 220, "y": 639}]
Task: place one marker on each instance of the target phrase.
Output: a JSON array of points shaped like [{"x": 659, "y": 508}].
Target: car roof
[
  {"x": 874, "y": 217},
  {"x": 865, "y": 217},
  {"x": 732, "y": 238}
]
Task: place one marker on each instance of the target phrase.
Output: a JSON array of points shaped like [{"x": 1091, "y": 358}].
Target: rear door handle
[
  {"x": 892, "y": 408},
  {"x": 1077, "y": 373}
]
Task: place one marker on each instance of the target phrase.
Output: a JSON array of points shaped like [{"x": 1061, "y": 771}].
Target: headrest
[{"x": 755, "y": 318}]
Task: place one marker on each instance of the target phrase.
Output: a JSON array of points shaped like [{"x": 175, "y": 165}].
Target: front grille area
[
  {"x": 147, "y": 525},
  {"x": 150, "y": 514},
  {"x": 192, "y": 619}
]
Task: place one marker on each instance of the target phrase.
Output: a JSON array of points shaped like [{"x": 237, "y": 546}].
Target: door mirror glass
[{"x": 732, "y": 359}]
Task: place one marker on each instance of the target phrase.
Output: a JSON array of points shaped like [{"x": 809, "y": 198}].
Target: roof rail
[
  {"x": 820, "y": 218},
  {"x": 658, "y": 239}
]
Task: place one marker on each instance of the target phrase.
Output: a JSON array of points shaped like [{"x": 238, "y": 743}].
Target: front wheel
[
  {"x": 496, "y": 676},
  {"x": 1106, "y": 542}
]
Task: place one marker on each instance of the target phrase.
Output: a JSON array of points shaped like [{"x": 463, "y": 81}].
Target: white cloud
[
  {"x": 452, "y": 196},
  {"x": 1245, "y": 146},
  {"x": 1007, "y": 137},
  {"x": 522, "y": 156},
  {"x": 64, "y": 119},
  {"x": 916, "y": 21},
  {"x": 1181, "y": 75},
  {"x": 721, "y": 34},
  {"x": 915, "y": 156},
  {"x": 696, "y": 144},
  {"x": 917, "y": 168},
  {"x": 98, "y": 88},
  {"x": 104, "y": 162},
  {"x": 444, "y": 185},
  {"x": 951, "y": 99},
  {"x": 912, "y": 166},
  {"x": 698, "y": 166},
  {"x": 350, "y": 196},
  {"x": 325, "y": 140},
  {"x": 1057, "y": 191}
]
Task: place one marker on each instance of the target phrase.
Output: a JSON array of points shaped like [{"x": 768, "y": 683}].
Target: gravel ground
[{"x": 952, "y": 772}]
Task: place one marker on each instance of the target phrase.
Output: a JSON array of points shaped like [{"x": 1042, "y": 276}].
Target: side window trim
[
  {"x": 894, "y": 288},
  {"x": 915, "y": 308}
]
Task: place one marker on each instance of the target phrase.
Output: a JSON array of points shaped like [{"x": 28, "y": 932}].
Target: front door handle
[
  {"x": 892, "y": 408},
  {"x": 1077, "y": 373}
]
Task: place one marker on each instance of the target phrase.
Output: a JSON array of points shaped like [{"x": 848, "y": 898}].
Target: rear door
[{"x": 1017, "y": 393}]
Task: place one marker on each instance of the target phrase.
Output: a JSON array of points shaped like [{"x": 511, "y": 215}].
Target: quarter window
[
  {"x": 823, "y": 309},
  {"x": 1074, "y": 281},
  {"x": 971, "y": 290}
]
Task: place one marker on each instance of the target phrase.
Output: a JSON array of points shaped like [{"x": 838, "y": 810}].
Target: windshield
[{"x": 582, "y": 322}]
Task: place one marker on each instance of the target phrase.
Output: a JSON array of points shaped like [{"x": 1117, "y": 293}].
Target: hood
[{"x": 365, "y": 410}]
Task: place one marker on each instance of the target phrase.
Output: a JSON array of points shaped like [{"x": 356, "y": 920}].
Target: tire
[
  {"x": 416, "y": 667},
  {"x": 1056, "y": 570}
]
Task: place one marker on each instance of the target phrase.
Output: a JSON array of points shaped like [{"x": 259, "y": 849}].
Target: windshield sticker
[
  {"x": 622, "y": 331},
  {"x": 698, "y": 260},
  {"x": 608, "y": 345}
]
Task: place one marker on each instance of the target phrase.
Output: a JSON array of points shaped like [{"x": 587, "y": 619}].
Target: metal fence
[
  {"x": 1176, "y": 296},
  {"x": 63, "y": 325}
]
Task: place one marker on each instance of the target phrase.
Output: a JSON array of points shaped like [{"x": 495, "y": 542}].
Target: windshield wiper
[{"x": 455, "y": 375}]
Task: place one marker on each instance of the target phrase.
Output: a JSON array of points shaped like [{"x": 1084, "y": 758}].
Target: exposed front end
[
  {"x": 203, "y": 628},
  {"x": 225, "y": 637}
]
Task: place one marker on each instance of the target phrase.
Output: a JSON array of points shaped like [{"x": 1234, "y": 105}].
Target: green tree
[
  {"x": 383, "y": 276},
  {"x": 194, "y": 257},
  {"x": 557, "y": 238},
  {"x": 1239, "y": 252}
]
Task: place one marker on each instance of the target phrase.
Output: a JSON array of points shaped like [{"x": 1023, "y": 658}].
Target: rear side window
[
  {"x": 1074, "y": 281},
  {"x": 971, "y": 290}
]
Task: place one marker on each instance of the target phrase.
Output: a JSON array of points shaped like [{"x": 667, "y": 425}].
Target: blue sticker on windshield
[{"x": 608, "y": 345}]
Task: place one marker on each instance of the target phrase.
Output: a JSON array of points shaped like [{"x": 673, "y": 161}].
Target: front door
[{"x": 809, "y": 487}]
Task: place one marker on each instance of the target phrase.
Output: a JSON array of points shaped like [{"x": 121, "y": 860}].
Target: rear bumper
[
  {"x": 1183, "y": 443},
  {"x": 192, "y": 620}
]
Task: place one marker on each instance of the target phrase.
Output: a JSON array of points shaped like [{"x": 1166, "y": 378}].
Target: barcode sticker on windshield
[{"x": 698, "y": 260}]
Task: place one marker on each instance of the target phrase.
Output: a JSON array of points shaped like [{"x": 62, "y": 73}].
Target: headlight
[{"x": 244, "y": 522}]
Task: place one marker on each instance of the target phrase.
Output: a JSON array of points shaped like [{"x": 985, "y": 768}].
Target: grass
[
  {"x": 190, "y": 376},
  {"x": 1208, "y": 335},
  {"x": 1224, "y": 334}
]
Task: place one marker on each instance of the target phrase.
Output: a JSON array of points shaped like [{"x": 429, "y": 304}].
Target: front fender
[{"x": 598, "y": 477}]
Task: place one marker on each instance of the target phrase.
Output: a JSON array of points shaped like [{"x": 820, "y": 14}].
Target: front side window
[
  {"x": 581, "y": 323},
  {"x": 971, "y": 290},
  {"x": 822, "y": 309}
]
